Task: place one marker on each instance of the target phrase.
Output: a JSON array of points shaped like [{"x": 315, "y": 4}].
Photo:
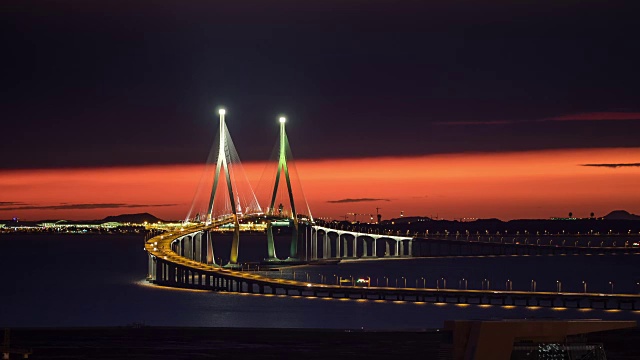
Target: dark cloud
[
  {"x": 598, "y": 116},
  {"x": 10, "y": 203},
  {"x": 613, "y": 165},
  {"x": 342, "y": 201},
  {"x": 595, "y": 116},
  {"x": 66, "y": 206},
  {"x": 490, "y": 122},
  {"x": 150, "y": 75}
]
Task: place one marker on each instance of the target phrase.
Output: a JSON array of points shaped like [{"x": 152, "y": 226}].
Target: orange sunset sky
[
  {"x": 474, "y": 110},
  {"x": 532, "y": 184}
]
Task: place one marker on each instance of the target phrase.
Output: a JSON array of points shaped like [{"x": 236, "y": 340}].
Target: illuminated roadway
[{"x": 170, "y": 269}]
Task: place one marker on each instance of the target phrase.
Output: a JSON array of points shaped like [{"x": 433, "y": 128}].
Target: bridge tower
[
  {"x": 283, "y": 168},
  {"x": 222, "y": 164}
]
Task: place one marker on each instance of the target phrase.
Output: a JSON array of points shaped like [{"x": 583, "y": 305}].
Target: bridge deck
[{"x": 174, "y": 270}]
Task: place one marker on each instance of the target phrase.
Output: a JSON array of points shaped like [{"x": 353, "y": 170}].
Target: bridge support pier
[
  {"x": 293, "y": 248},
  {"x": 150, "y": 267},
  {"x": 186, "y": 247},
  {"x": 190, "y": 250},
  {"x": 364, "y": 247},
  {"x": 158, "y": 271},
  {"x": 375, "y": 247},
  {"x": 314, "y": 244},
  {"x": 233, "y": 258},
  {"x": 271, "y": 248},
  {"x": 197, "y": 247},
  {"x": 202, "y": 248},
  {"x": 345, "y": 246},
  {"x": 355, "y": 246},
  {"x": 314, "y": 239},
  {"x": 325, "y": 246},
  {"x": 171, "y": 273},
  {"x": 211, "y": 258}
]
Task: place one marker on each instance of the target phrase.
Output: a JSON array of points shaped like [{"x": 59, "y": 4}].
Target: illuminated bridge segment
[
  {"x": 401, "y": 245},
  {"x": 168, "y": 268}
]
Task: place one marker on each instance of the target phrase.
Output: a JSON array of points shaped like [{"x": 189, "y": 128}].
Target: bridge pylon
[
  {"x": 223, "y": 165},
  {"x": 283, "y": 168}
]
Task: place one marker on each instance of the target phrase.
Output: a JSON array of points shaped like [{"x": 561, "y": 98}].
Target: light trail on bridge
[{"x": 170, "y": 269}]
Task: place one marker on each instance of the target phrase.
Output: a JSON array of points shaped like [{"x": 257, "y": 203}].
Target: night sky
[{"x": 116, "y": 84}]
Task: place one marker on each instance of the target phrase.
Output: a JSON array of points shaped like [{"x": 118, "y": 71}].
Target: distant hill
[
  {"x": 489, "y": 220},
  {"x": 621, "y": 215},
  {"x": 133, "y": 218},
  {"x": 406, "y": 219}
]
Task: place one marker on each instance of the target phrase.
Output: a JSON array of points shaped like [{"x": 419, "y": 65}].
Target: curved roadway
[{"x": 160, "y": 247}]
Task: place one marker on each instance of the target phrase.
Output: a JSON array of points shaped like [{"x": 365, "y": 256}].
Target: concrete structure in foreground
[
  {"x": 527, "y": 339},
  {"x": 7, "y": 350}
]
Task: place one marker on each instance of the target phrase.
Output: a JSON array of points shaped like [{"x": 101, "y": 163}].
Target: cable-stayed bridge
[
  {"x": 231, "y": 199},
  {"x": 185, "y": 258},
  {"x": 177, "y": 260}
]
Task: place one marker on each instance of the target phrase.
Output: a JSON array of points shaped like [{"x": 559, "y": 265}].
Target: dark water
[{"x": 88, "y": 280}]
